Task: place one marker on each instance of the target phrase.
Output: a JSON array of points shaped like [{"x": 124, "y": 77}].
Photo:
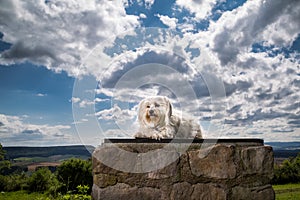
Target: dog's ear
[
  {"x": 169, "y": 107},
  {"x": 140, "y": 110}
]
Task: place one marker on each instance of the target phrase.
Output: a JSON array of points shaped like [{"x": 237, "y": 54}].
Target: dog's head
[{"x": 155, "y": 111}]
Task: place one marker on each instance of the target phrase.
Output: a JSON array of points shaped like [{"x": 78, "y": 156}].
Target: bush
[
  {"x": 42, "y": 180},
  {"x": 75, "y": 172},
  {"x": 288, "y": 172},
  {"x": 82, "y": 194},
  {"x": 13, "y": 182}
]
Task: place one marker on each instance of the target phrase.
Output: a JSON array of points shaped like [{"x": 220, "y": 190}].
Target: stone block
[
  {"x": 110, "y": 159},
  {"x": 218, "y": 163},
  {"x": 255, "y": 193},
  {"x": 160, "y": 171},
  {"x": 258, "y": 160},
  {"x": 104, "y": 180},
  {"x": 208, "y": 191},
  {"x": 181, "y": 190},
  {"x": 123, "y": 191}
]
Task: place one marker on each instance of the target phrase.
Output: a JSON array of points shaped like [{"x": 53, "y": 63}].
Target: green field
[
  {"x": 22, "y": 195},
  {"x": 287, "y": 191},
  {"x": 54, "y": 158}
]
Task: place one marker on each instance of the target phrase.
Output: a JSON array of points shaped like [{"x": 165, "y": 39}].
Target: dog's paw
[
  {"x": 139, "y": 135},
  {"x": 156, "y": 136}
]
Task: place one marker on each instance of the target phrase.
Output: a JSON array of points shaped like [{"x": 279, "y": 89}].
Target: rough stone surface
[
  {"x": 258, "y": 160},
  {"x": 208, "y": 191},
  {"x": 123, "y": 191},
  {"x": 219, "y": 163},
  {"x": 264, "y": 192},
  {"x": 181, "y": 191},
  {"x": 221, "y": 171},
  {"x": 105, "y": 180}
]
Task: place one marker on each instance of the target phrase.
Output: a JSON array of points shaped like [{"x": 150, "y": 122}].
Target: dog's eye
[
  {"x": 156, "y": 105},
  {"x": 148, "y": 106}
]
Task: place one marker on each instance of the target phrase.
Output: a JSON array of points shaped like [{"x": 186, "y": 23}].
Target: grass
[
  {"x": 287, "y": 191},
  {"x": 22, "y": 195}
]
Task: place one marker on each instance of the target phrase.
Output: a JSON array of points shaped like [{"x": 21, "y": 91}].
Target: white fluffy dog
[{"x": 157, "y": 121}]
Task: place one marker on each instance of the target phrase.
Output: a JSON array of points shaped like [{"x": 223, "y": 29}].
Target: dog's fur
[{"x": 157, "y": 121}]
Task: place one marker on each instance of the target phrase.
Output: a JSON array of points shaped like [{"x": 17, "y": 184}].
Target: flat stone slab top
[{"x": 209, "y": 140}]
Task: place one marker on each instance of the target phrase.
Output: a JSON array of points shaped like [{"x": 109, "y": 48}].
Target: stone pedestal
[{"x": 183, "y": 169}]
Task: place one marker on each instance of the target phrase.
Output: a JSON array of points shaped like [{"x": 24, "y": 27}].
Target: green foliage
[
  {"x": 288, "y": 172},
  {"x": 3, "y": 163},
  {"x": 72, "y": 181},
  {"x": 82, "y": 194},
  {"x": 13, "y": 182},
  {"x": 83, "y": 189},
  {"x": 42, "y": 180},
  {"x": 2, "y": 152},
  {"x": 75, "y": 172},
  {"x": 23, "y": 195}
]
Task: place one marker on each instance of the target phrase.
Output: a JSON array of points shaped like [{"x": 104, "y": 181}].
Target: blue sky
[{"x": 73, "y": 72}]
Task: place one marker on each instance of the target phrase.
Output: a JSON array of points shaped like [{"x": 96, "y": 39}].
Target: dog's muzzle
[{"x": 151, "y": 113}]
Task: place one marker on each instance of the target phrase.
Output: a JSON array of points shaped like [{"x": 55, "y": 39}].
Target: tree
[
  {"x": 288, "y": 172},
  {"x": 3, "y": 163},
  {"x": 74, "y": 172},
  {"x": 41, "y": 180}
]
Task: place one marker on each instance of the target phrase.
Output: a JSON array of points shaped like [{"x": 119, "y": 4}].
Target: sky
[{"x": 73, "y": 72}]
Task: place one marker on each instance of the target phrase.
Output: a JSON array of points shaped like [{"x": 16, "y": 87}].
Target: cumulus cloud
[
  {"x": 200, "y": 8},
  {"x": 168, "y": 21},
  {"x": 59, "y": 34},
  {"x": 75, "y": 100},
  {"x": 41, "y": 95},
  {"x": 261, "y": 86},
  {"x": 15, "y": 131},
  {"x": 116, "y": 113},
  {"x": 258, "y": 89},
  {"x": 118, "y": 121},
  {"x": 275, "y": 23},
  {"x": 143, "y": 16}
]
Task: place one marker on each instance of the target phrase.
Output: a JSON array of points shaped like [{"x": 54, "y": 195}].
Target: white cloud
[
  {"x": 75, "y": 100},
  {"x": 99, "y": 100},
  {"x": 41, "y": 95},
  {"x": 118, "y": 122},
  {"x": 117, "y": 114},
  {"x": 59, "y": 34},
  {"x": 200, "y": 8},
  {"x": 15, "y": 131},
  {"x": 170, "y": 22},
  {"x": 85, "y": 103},
  {"x": 253, "y": 22},
  {"x": 143, "y": 16}
]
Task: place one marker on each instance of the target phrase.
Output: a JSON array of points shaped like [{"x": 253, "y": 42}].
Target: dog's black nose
[{"x": 151, "y": 112}]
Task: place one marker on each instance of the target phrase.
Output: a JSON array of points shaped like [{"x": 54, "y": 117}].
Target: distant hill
[
  {"x": 281, "y": 150},
  {"x": 76, "y": 150},
  {"x": 285, "y": 149}
]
